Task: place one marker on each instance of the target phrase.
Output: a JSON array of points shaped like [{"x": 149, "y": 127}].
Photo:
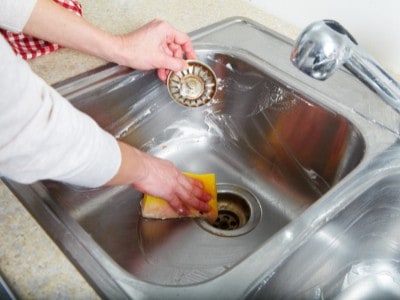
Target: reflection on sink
[
  {"x": 259, "y": 135},
  {"x": 356, "y": 255}
]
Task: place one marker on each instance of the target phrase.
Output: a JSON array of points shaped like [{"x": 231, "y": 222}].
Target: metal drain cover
[{"x": 194, "y": 86}]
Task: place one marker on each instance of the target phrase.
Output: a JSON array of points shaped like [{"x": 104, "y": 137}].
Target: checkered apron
[{"x": 29, "y": 47}]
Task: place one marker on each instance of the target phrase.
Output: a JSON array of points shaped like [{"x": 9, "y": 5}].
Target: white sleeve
[
  {"x": 14, "y": 14},
  {"x": 42, "y": 136}
]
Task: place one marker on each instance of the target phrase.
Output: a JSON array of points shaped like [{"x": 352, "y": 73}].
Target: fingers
[
  {"x": 156, "y": 45},
  {"x": 183, "y": 199},
  {"x": 177, "y": 47},
  {"x": 192, "y": 194},
  {"x": 162, "y": 179},
  {"x": 188, "y": 194},
  {"x": 198, "y": 190},
  {"x": 175, "y": 62},
  {"x": 187, "y": 48},
  {"x": 178, "y": 206},
  {"x": 176, "y": 50},
  {"x": 182, "y": 40},
  {"x": 163, "y": 74}
]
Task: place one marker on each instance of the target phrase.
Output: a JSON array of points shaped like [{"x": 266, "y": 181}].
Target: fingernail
[{"x": 183, "y": 211}]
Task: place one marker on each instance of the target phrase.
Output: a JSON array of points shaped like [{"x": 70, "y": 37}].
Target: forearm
[
  {"x": 51, "y": 22},
  {"x": 132, "y": 167},
  {"x": 43, "y": 136},
  {"x": 156, "y": 45}
]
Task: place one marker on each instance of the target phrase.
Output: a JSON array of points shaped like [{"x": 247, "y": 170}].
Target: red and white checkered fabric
[{"x": 29, "y": 47}]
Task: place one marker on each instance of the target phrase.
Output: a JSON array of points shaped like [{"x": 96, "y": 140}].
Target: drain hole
[
  {"x": 233, "y": 212},
  {"x": 226, "y": 220},
  {"x": 238, "y": 212}
]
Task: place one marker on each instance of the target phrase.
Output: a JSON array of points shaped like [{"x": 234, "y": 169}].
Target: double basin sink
[{"x": 307, "y": 178}]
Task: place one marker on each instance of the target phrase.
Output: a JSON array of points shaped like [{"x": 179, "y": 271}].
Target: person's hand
[
  {"x": 160, "y": 178},
  {"x": 156, "y": 45}
]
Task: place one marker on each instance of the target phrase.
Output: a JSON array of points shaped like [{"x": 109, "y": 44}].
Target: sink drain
[
  {"x": 238, "y": 212},
  {"x": 233, "y": 211}
]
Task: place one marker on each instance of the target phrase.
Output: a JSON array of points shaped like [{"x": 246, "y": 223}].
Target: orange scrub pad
[{"x": 156, "y": 208}]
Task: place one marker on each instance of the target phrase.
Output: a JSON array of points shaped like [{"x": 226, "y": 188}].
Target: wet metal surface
[
  {"x": 353, "y": 256},
  {"x": 298, "y": 152},
  {"x": 250, "y": 136}
]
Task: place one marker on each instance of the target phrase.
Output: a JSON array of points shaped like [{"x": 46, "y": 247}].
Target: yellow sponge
[{"x": 156, "y": 208}]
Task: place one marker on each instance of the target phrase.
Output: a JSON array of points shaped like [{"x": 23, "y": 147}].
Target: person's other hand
[
  {"x": 156, "y": 45},
  {"x": 162, "y": 179}
]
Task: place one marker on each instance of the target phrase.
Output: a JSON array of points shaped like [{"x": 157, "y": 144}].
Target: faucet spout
[{"x": 324, "y": 46}]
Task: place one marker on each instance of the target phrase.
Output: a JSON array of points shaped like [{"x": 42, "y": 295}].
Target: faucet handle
[{"x": 322, "y": 48}]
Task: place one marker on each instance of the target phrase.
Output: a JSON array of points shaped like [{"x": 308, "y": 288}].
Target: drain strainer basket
[{"x": 194, "y": 86}]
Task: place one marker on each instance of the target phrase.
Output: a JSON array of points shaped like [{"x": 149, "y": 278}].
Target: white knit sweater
[{"x": 42, "y": 136}]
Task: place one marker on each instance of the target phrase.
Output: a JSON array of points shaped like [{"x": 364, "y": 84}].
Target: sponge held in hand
[{"x": 157, "y": 208}]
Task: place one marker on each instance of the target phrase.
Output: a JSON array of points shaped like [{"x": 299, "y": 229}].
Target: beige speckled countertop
[{"x": 31, "y": 263}]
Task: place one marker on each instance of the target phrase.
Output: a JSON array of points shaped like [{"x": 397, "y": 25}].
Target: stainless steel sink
[
  {"x": 288, "y": 154},
  {"x": 355, "y": 255},
  {"x": 275, "y": 149}
]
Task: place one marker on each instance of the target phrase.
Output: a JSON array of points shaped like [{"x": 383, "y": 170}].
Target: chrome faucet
[{"x": 324, "y": 46}]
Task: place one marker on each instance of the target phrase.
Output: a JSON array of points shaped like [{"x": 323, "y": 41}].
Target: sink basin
[
  {"x": 252, "y": 137},
  {"x": 282, "y": 147},
  {"x": 355, "y": 255}
]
